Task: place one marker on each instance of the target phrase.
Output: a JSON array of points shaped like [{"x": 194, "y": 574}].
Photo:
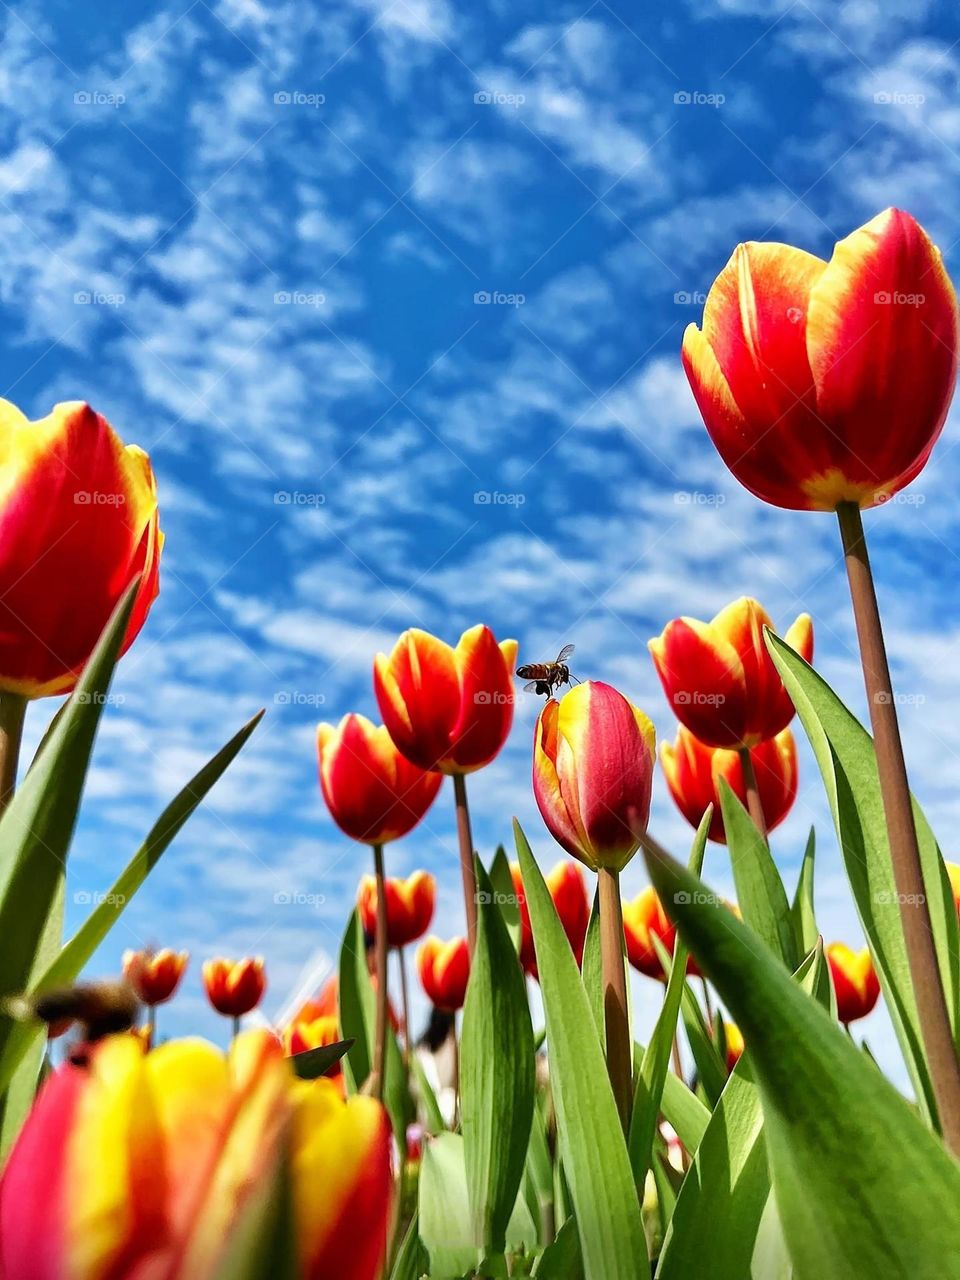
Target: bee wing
[
  {"x": 566, "y": 652},
  {"x": 531, "y": 686}
]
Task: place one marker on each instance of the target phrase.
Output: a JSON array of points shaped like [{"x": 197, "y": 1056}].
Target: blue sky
[{"x": 258, "y": 238}]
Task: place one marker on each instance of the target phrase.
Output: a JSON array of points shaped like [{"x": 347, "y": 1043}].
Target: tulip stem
[
  {"x": 465, "y": 837},
  {"x": 619, "y": 1055},
  {"x": 380, "y": 1043},
  {"x": 405, "y": 997},
  {"x": 13, "y": 710},
  {"x": 754, "y": 807},
  {"x": 902, "y": 833}
]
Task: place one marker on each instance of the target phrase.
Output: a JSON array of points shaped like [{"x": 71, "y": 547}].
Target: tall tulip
[
  {"x": 234, "y": 987},
  {"x": 450, "y": 710},
  {"x": 154, "y": 977},
  {"x": 824, "y": 386},
  {"x": 78, "y": 524},
  {"x": 143, "y": 1164},
  {"x": 693, "y": 772},
  {"x": 855, "y": 981},
  {"x": 593, "y": 760},
  {"x": 374, "y": 794},
  {"x": 410, "y": 906},
  {"x": 569, "y": 893}
]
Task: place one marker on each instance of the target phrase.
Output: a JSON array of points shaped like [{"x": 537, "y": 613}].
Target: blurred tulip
[
  {"x": 147, "y": 1164},
  {"x": 234, "y": 987},
  {"x": 719, "y": 678},
  {"x": 693, "y": 772},
  {"x": 569, "y": 893},
  {"x": 410, "y": 906},
  {"x": 593, "y": 773},
  {"x": 154, "y": 975},
  {"x": 447, "y": 709},
  {"x": 827, "y": 382},
  {"x": 854, "y": 981},
  {"x": 643, "y": 920},
  {"x": 374, "y": 794},
  {"x": 953, "y": 871},
  {"x": 734, "y": 1042},
  {"x": 444, "y": 969}
]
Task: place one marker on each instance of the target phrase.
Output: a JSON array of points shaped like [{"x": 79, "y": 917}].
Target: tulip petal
[
  {"x": 418, "y": 692},
  {"x": 486, "y": 699}
]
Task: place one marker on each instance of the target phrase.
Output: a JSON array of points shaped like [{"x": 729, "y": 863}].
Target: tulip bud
[
  {"x": 410, "y": 905},
  {"x": 593, "y": 774},
  {"x": 234, "y": 987},
  {"x": 733, "y": 1038},
  {"x": 643, "y": 920},
  {"x": 719, "y": 678},
  {"x": 154, "y": 975},
  {"x": 693, "y": 772},
  {"x": 827, "y": 382},
  {"x": 855, "y": 981},
  {"x": 444, "y": 969}
]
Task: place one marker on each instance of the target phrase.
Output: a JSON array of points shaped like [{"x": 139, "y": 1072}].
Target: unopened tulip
[
  {"x": 234, "y": 987},
  {"x": 593, "y": 773},
  {"x": 410, "y": 906},
  {"x": 148, "y": 1164},
  {"x": 643, "y": 920},
  {"x": 827, "y": 382},
  {"x": 855, "y": 981},
  {"x": 374, "y": 794},
  {"x": 693, "y": 772},
  {"x": 154, "y": 975},
  {"x": 447, "y": 709},
  {"x": 569, "y": 893},
  {"x": 444, "y": 969},
  {"x": 719, "y": 678},
  {"x": 733, "y": 1038},
  {"x": 78, "y": 524}
]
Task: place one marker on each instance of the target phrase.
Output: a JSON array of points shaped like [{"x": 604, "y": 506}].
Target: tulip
[
  {"x": 139, "y": 1164},
  {"x": 374, "y": 794},
  {"x": 154, "y": 975},
  {"x": 855, "y": 981},
  {"x": 693, "y": 772},
  {"x": 719, "y": 678},
  {"x": 733, "y": 1039},
  {"x": 234, "y": 987},
  {"x": 444, "y": 969},
  {"x": 569, "y": 893},
  {"x": 449, "y": 710},
  {"x": 953, "y": 871},
  {"x": 643, "y": 920},
  {"x": 410, "y": 906},
  {"x": 303, "y": 1033}
]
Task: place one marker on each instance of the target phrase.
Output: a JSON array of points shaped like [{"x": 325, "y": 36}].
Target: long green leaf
[
  {"x": 845, "y": 755},
  {"x": 592, "y": 1144},
  {"x": 496, "y": 1073},
  {"x": 592, "y": 969},
  {"x": 863, "y": 1188},
  {"x": 505, "y": 894},
  {"x": 802, "y": 910},
  {"x": 760, "y": 892}
]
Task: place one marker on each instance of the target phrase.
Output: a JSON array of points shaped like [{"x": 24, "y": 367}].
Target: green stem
[
  {"x": 619, "y": 1055},
  {"x": 13, "y": 710},
  {"x": 754, "y": 807},
  {"x": 467, "y": 871},
  {"x": 380, "y": 1042}
]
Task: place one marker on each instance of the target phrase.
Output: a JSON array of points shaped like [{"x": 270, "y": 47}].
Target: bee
[
  {"x": 545, "y": 677},
  {"x": 101, "y": 1008}
]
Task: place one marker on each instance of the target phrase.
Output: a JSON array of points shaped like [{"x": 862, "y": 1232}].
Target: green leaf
[
  {"x": 261, "y": 1244},
  {"x": 593, "y": 970},
  {"x": 684, "y": 1112},
  {"x": 802, "y": 911},
  {"x": 411, "y": 1260},
  {"x": 592, "y": 1145},
  {"x": 561, "y": 1259},
  {"x": 760, "y": 892},
  {"x": 863, "y": 1188},
  {"x": 68, "y": 962},
  {"x": 317, "y": 1062},
  {"x": 711, "y": 1068},
  {"x": 505, "y": 894},
  {"x": 845, "y": 755},
  {"x": 496, "y": 1073},
  {"x": 433, "y": 1116}
]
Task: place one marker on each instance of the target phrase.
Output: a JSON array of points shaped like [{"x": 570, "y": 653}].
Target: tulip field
[{"x": 531, "y": 1130}]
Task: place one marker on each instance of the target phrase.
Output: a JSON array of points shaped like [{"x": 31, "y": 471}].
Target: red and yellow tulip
[
  {"x": 145, "y": 1164},
  {"x": 719, "y": 678},
  {"x": 305, "y": 1032},
  {"x": 855, "y": 981},
  {"x": 154, "y": 975},
  {"x": 693, "y": 772},
  {"x": 569, "y": 893},
  {"x": 953, "y": 871},
  {"x": 78, "y": 524},
  {"x": 593, "y": 773},
  {"x": 733, "y": 1038},
  {"x": 643, "y": 920},
  {"x": 825, "y": 382},
  {"x": 410, "y": 905},
  {"x": 444, "y": 969},
  {"x": 234, "y": 987},
  {"x": 374, "y": 793},
  {"x": 447, "y": 709}
]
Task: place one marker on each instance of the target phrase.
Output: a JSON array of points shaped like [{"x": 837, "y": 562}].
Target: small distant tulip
[
  {"x": 854, "y": 981},
  {"x": 410, "y": 906},
  {"x": 147, "y": 1164},
  {"x": 234, "y": 987},
  {"x": 719, "y": 678},
  {"x": 78, "y": 524},
  {"x": 824, "y": 382},
  {"x": 953, "y": 871},
  {"x": 593, "y": 773},
  {"x": 447, "y": 709},
  {"x": 154, "y": 975},
  {"x": 693, "y": 772},
  {"x": 373, "y": 793},
  {"x": 734, "y": 1042},
  {"x": 643, "y": 920},
  {"x": 444, "y": 969},
  {"x": 569, "y": 893}
]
